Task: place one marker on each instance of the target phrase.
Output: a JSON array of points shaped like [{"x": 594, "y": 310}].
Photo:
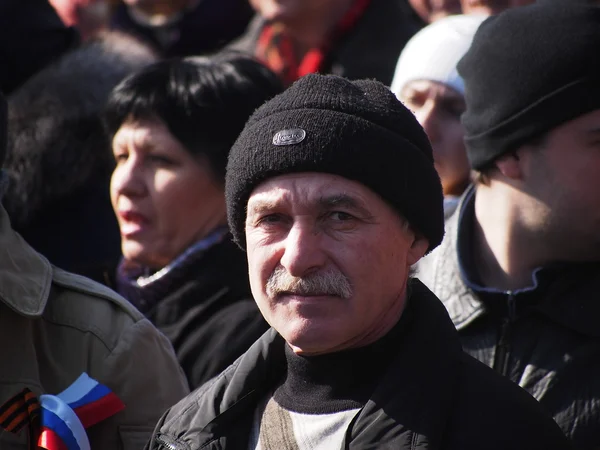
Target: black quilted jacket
[
  {"x": 546, "y": 339},
  {"x": 432, "y": 396}
]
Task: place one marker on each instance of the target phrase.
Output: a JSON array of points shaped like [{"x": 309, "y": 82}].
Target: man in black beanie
[
  {"x": 332, "y": 191},
  {"x": 519, "y": 268}
]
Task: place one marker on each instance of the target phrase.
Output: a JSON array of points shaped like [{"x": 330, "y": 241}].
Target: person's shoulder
[
  {"x": 81, "y": 303},
  {"x": 223, "y": 401},
  {"x": 193, "y": 411},
  {"x": 79, "y": 288},
  {"x": 184, "y": 424},
  {"x": 436, "y": 263},
  {"x": 492, "y": 412}
]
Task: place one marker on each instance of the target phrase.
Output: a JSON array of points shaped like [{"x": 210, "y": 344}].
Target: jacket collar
[
  {"x": 565, "y": 292},
  {"x": 25, "y": 275},
  {"x": 441, "y": 270},
  {"x": 411, "y": 391}
]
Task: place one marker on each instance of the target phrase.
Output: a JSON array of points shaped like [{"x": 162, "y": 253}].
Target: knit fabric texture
[
  {"x": 355, "y": 129},
  {"x": 529, "y": 69},
  {"x": 433, "y": 53}
]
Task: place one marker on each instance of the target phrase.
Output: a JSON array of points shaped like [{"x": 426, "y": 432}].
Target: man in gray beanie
[
  {"x": 519, "y": 268},
  {"x": 332, "y": 192}
]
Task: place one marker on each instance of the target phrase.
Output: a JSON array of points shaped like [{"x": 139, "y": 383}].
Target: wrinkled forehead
[
  {"x": 431, "y": 88},
  {"x": 307, "y": 184},
  {"x": 311, "y": 192}
]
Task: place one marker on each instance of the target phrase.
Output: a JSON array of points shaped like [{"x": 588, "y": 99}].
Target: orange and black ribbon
[{"x": 20, "y": 411}]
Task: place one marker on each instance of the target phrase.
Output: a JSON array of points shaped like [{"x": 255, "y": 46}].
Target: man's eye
[
  {"x": 412, "y": 100},
  {"x": 162, "y": 160},
  {"x": 340, "y": 216},
  {"x": 270, "y": 219}
]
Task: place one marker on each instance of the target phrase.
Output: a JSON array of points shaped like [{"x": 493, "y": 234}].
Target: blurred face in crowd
[
  {"x": 438, "y": 108},
  {"x": 432, "y": 10},
  {"x": 165, "y": 198},
  {"x": 88, "y": 16},
  {"x": 328, "y": 260},
  {"x": 289, "y": 10},
  {"x": 561, "y": 174},
  {"x": 299, "y": 15},
  {"x": 159, "y": 7},
  {"x": 490, "y": 7}
]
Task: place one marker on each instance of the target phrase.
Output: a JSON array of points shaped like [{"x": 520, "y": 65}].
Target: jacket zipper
[
  {"x": 164, "y": 443},
  {"x": 503, "y": 348}
]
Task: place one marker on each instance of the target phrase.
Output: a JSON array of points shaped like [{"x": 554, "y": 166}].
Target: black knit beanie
[
  {"x": 355, "y": 129},
  {"x": 529, "y": 70},
  {"x": 3, "y": 128}
]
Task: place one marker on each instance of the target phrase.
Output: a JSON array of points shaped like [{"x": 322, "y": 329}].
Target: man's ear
[
  {"x": 510, "y": 166},
  {"x": 417, "y": 250}
]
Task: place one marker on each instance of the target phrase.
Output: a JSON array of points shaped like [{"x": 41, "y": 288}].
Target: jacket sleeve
[{"x": 143, "y": 371}]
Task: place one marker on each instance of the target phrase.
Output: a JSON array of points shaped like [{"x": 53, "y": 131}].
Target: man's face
[
  {"x": 291, "y": 11},
  {"x": 563, "y": 176},
  {"x": 438, "y": 108},
  {"x": 491, "y": 7},
  {"x": 432, "y": 10},
  {"x": 163, "y": 7},
  {"x": 328, "y": 260}
]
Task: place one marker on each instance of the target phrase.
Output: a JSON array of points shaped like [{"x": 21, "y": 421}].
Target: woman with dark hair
[{"x": 172, "y": 125}]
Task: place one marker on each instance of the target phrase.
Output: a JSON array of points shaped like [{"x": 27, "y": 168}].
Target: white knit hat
[{"x": 433, "y": 53}]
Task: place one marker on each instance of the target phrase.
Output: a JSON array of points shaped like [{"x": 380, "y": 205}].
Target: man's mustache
[{"x": 329, "y": 282}]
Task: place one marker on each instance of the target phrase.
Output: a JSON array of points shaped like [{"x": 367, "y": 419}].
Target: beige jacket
[{"x": 55, "y": 325}]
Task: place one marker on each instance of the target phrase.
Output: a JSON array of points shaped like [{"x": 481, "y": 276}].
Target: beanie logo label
[{"x": 289, "y": 137}]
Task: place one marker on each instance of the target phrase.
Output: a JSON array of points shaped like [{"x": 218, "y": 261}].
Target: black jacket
[
  {"x": 546, "y": 339},
  {"x": 370, "y": 50},
  {"x": 31, "y": 37},
  {"x": 432, "y": 396},
  {"x": 210, "y": 318}
]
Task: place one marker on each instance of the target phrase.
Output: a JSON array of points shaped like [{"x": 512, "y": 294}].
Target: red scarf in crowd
[{"x": 276, "y": 49}]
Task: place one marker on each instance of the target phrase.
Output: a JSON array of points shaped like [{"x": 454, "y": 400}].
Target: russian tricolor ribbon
[{"x": 63, "y": 418}]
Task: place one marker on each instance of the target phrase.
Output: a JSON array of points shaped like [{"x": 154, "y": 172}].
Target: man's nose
[{"x": 303, "y": 252}]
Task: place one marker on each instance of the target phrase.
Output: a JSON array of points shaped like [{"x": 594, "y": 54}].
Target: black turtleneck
[{"x": 335, "y": 382}]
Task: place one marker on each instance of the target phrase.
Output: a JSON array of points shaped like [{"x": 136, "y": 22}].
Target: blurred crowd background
[{"x": 62, "y": 58}]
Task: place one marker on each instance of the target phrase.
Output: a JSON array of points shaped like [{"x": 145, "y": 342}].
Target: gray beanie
[{"x": 433, "y": 53}]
